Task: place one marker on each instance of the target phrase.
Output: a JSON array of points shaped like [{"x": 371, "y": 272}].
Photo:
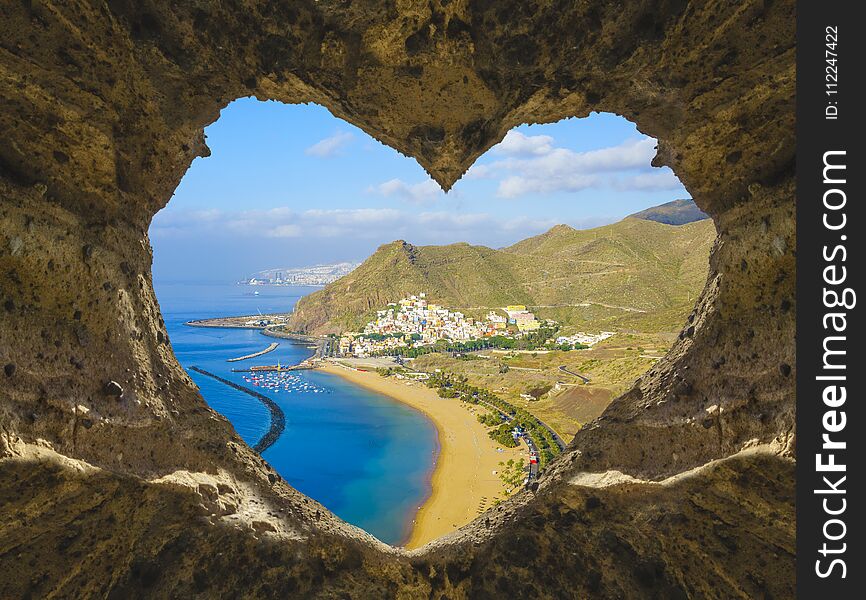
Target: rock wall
[{"x": 683, "y": 488}]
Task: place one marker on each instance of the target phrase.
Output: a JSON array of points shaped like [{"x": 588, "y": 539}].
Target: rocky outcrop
[{"x": 150, "y": 493}]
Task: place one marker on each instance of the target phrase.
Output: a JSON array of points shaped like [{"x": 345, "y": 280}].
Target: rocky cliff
[{"x": 117, "y": 480}]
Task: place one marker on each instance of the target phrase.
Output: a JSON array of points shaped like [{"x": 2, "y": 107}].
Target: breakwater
[
  {"x": 278, "y": 418},
  {"x": 321, "y": 345},
  {"x": 270, "y": 348},
  {"x": 240, "y": 322}
]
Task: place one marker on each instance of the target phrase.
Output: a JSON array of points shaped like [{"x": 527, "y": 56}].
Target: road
[
  {"x": 584, "y": 378},
  {"x": 577, "y": 305},
  {"x": 559, "y": 441},
  {"x": 530, "y": 443}
]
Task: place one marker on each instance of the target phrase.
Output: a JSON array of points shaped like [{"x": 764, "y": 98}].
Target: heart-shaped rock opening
[{"x": 683, "y": 488}]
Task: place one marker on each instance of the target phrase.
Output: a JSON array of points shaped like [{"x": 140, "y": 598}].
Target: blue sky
[{"x": 291, "y": 185}]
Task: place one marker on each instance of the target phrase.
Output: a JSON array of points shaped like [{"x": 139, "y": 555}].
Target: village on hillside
[{"x": 414, "y": 323}]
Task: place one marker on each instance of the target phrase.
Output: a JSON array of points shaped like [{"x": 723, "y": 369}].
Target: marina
[
  {"x": 283, "y": 381},
  {"x": 278, "y": 368}
]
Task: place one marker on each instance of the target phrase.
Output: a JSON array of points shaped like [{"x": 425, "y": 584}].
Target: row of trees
[
  {"x": 512, "y": 474},
  {"x": 449, "y": 385},
  {"x": 565, "y": 346},
  {"x": 490, "y": 419},
  {"x": 534, "y": 340}
]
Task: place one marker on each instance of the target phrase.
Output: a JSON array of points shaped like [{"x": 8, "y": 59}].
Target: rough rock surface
[{"x": 684, "y": 487}]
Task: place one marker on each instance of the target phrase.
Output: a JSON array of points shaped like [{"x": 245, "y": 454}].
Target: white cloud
[
  {"x": 168, "y": 217},
  {"x": 519, "y": 224},
  {"x": 477, "y": 171},
  {"x": 284, "y": 231},
  {"x": 560, "y": 162},
  {"x": 631, "y": 154},
  {"x": 338, "y": 225},
  {"x": 534, "y": 165},
  {"x": 417, "y": 193},
  {"x": 517, "y": 144},
  {"x": 517, "y": 185},
  {"x": 329, "y": 146},
  {"x": 448, "y": 220},
  {"x": 352, "y": 216}
]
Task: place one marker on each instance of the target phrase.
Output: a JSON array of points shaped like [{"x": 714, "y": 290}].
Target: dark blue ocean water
[{"x": 364, "y": 456}]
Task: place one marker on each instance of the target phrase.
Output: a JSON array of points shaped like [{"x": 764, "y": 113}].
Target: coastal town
[
  {"x": 414, "y": 322},
  {"x": 317, "y": 275}
]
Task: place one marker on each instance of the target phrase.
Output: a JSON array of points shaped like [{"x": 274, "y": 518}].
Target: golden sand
[{"x": 465, "y": 480}]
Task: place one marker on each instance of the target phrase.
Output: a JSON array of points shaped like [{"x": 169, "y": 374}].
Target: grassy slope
[
  {"x": 455, "y": 275},
  {"x": 634, "y": 263},
  {"x": 645, "y": 265},
  {"x": 612, "y": 366}
]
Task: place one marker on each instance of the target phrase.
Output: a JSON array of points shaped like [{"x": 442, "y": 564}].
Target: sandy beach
[{"x": 464, "y": 483}]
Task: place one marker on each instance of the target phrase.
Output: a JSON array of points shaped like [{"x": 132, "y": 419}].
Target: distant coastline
[
  {"x": 271, "y": 284},
  {"x": 316, "y": 275}
]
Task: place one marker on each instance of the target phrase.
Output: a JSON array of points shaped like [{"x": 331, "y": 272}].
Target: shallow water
[{"x": 364, "y": 456}]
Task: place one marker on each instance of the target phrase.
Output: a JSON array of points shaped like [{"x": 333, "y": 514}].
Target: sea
[{"x": 364, "y": 456}]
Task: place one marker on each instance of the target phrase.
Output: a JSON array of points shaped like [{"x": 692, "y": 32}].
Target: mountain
[
  {"x": 457, "y": 275},
  {"x": 678, "y": 212},
  {"x": 622, "y": 273}
]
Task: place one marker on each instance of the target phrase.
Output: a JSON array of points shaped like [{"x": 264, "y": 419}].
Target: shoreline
[{"x": 462, "y": 480}]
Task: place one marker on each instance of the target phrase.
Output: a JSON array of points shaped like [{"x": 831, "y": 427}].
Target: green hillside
[{"x": 635, "y": 274}]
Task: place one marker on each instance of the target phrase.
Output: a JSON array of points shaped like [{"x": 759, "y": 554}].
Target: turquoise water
[{"x": 364, "y": 456}]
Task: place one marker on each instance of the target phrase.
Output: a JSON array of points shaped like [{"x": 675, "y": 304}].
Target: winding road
[
  {"x": 584, "y": 378},
  {"x": 533, "y": 467}
]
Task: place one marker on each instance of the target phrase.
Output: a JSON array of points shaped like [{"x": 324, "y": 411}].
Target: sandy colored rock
[{"x": 102, "y": 108}]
